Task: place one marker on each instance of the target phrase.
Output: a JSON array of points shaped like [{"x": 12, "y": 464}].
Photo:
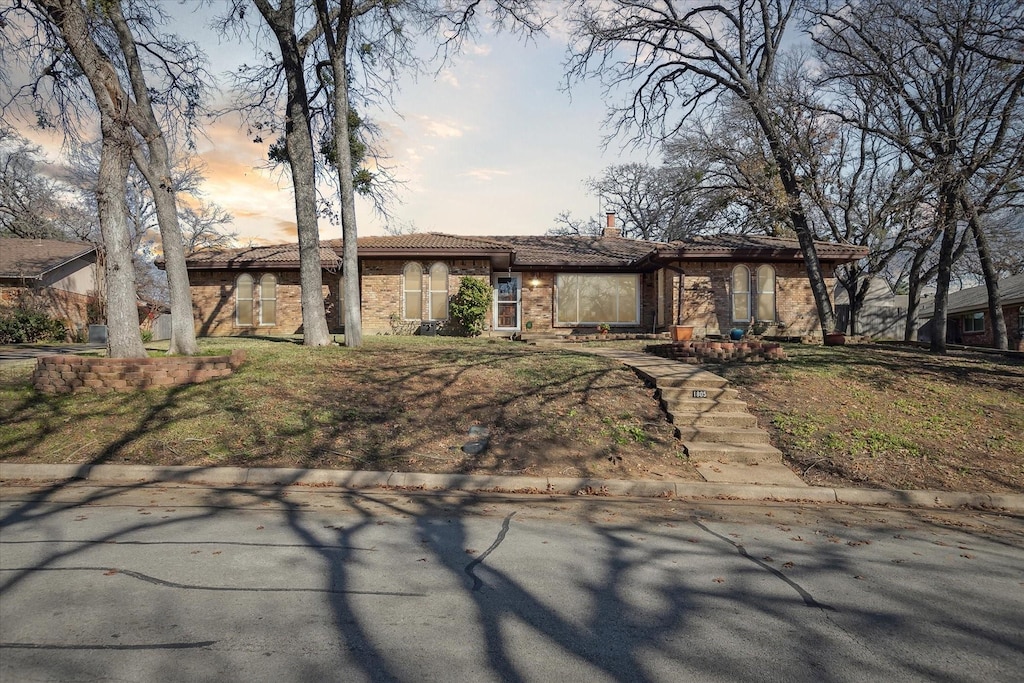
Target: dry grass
[{"x": 399, "y": 403}]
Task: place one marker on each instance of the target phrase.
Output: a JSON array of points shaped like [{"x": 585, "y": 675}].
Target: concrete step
[
  {"x": 704, "y": 405},
  {"x": 700, "y": 380},
  {"x": 701, "y": 420},
  {"x": 686, "y": 393},
  {"x": 698, "y": 451},
  {"x": 729, "y": 435}
]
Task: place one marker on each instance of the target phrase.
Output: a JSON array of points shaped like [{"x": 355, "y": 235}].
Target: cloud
[
  {"x": 439, "y": 129},
  {"x": 478, "y": 50},
  {"x": 448, "y": 78},
  {"x": 484, "y": 174}
]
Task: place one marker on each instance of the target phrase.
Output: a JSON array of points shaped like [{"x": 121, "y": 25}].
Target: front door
[{"x": 507, "y": 301}]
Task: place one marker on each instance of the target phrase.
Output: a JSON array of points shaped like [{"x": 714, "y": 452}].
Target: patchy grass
[
  {"x": 892, "y": 418},
  {"x": 399, "y": 403}
]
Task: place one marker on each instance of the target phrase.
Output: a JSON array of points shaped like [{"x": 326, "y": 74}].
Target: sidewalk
[{"x": 13, "y": 353}]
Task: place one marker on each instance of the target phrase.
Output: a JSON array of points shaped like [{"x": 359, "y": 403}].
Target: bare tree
[
  {"x": 675, "y": 60},
  {"x": 945, "y": 80}
]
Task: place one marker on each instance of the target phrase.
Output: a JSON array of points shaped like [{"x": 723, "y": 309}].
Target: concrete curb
[{"x": 686, "y": 490}]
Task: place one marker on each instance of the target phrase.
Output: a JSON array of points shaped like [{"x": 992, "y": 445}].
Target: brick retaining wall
[
  {"x": 697, "y": 352},
  {"x": 63, "y": 374}
]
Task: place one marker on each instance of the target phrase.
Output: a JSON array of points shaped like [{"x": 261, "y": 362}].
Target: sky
[{"x": 490, "y": 145}]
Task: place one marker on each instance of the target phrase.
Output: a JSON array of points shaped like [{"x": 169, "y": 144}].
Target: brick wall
[
  {"x": 707, "y": 304},
  {"x": 213, "y": 302},
  {"x": 69, "y": 307},
  {"x": 1011, "y": 316},
  {"x": 63, "y": 374}
]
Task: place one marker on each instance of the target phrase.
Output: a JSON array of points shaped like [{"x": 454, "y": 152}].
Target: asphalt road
[{"x": 163, "y": 583}]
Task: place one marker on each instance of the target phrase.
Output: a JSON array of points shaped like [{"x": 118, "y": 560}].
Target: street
[{"x": 189, "y": 583}]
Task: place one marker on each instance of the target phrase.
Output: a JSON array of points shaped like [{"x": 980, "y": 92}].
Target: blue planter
[{"x": 736, "y": 334}]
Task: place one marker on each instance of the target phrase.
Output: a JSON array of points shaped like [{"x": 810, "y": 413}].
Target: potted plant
[
  {"x": 835, "y": 338},
  {"x": 604, "y": 328}
]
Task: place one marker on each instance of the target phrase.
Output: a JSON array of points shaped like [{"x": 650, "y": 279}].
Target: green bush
[
  {"x": 27, "y": 325},
  {"x": 468, "y": 308}
]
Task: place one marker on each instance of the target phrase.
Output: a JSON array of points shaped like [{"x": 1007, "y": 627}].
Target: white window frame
[
  {"x": 743, "y": 273},
  {"x": 264, "y": 323},
  {"x": 759, "y": 294},
  {"x": 638, "y": 292},
  {"x": 970, "y": 318},
  {"x": 431, "y": 291}
]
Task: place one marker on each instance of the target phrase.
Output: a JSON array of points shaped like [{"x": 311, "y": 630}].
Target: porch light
[{"x": 534, "y": 282}]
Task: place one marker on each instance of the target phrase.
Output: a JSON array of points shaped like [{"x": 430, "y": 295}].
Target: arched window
[
  {"x": 741, "y": 294},
  {"x": 765, "y": 293},
  {"x": 243, "y": 300},
  {"x": 268, "y": 300},
  {"x": 412, "y": 291},
  {"x": 439, "y": 291}
]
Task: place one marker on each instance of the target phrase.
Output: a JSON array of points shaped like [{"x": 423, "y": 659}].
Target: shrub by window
[
  {"x": 243, "y": 300},
  {"x": 412, "y": 290}
]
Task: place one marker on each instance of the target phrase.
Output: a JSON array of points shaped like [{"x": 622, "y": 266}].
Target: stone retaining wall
[
  {"x": 697, "y": 352},
  {"x": 66, "y": 373}
]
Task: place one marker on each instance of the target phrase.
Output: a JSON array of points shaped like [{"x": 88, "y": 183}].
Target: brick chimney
[{"x": 609, "y": 228}]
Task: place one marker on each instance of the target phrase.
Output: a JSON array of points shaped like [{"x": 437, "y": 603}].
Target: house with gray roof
[
  {"x": 967, "y": 317},
  {"x": 63, "y": 278},
  {"x": 544, "y": 284}
]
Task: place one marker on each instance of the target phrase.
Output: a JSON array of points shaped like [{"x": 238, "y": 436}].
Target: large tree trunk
[
  {"x": 1000, "y": 337},
  {"x": 337, "y": 45},
  {"x": 157, "y": 171},
  {"x": 298, "y": 139},
  {"x": 124, "y": 338},
  {"x": 948, "y": 213}
]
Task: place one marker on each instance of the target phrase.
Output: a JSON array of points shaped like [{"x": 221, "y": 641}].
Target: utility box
[{"x": 428, "y": 328}]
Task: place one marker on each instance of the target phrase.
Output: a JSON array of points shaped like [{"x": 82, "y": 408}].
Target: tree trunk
[
  {"x": 124, "y": 338},
  {"x": 298, "y": 140},
  {"x": 157, "y": 171},
  {"x": 350, "y": 253},
  {"x": 948, "y": 195},
  {"x": 1000, "y": 337}
]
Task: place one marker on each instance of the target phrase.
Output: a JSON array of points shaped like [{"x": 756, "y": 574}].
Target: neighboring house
[
  {"x": 543, "y": 284},
  {"x": 61, "y": 277},
  {"x": 883, "y": 314},
  {"x": 968, "y": 321}
]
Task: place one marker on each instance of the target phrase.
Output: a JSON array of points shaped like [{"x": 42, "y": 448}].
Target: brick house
[
  {"x": 542, "y": 284},
  {"x": 62, "y": 278},
  {"x": 968, "y": 320}
]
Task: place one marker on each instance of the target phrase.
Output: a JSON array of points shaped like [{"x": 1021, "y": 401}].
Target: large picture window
[
  {"x": 597, "y": 298},
  {"x": 439, "y": 292},
  {"x": 412, "y": 291},
  {"x": 243, "y": 300}
]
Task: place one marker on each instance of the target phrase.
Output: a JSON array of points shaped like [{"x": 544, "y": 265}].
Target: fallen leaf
[
  {"x": 718, "y": 579},
  {"x": 767, "y": 558},
  {"x": 788, "y": 565}
]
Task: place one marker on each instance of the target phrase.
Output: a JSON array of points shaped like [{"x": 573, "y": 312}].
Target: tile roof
[
  {"x": 577, "y": 250},
  {"x": 33, "y": 258},
  {"x": 1011, "y": 292},
  {"x": 275, "y": 254},
  {"x": 762, "y": 245}
]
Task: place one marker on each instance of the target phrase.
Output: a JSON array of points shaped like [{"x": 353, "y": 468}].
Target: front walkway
[
  {"x": 720, "y": 437},
  {"x": 13, "y": 353}
]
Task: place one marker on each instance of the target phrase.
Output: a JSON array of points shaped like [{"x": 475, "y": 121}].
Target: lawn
[
  {"x": 867, "y": 416},
  {"x": 882, "y": 416},
  {"x": 398, "y": 403}
]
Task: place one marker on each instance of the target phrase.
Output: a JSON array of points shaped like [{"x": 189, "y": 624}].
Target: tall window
[
  {"x": 741, "y": 294},
  {"x": 439, "y": 291},
  {"x": 765, "y": 293},
  {"x": 243, "y": 300},
  {"x": 597, "y": 298},
  {"x": 412, "y": 291},
  {"x": 268, "y": 300}
]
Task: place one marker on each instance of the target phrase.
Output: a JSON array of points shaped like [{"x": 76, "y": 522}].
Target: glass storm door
[{"x": 507, "y": 301}]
